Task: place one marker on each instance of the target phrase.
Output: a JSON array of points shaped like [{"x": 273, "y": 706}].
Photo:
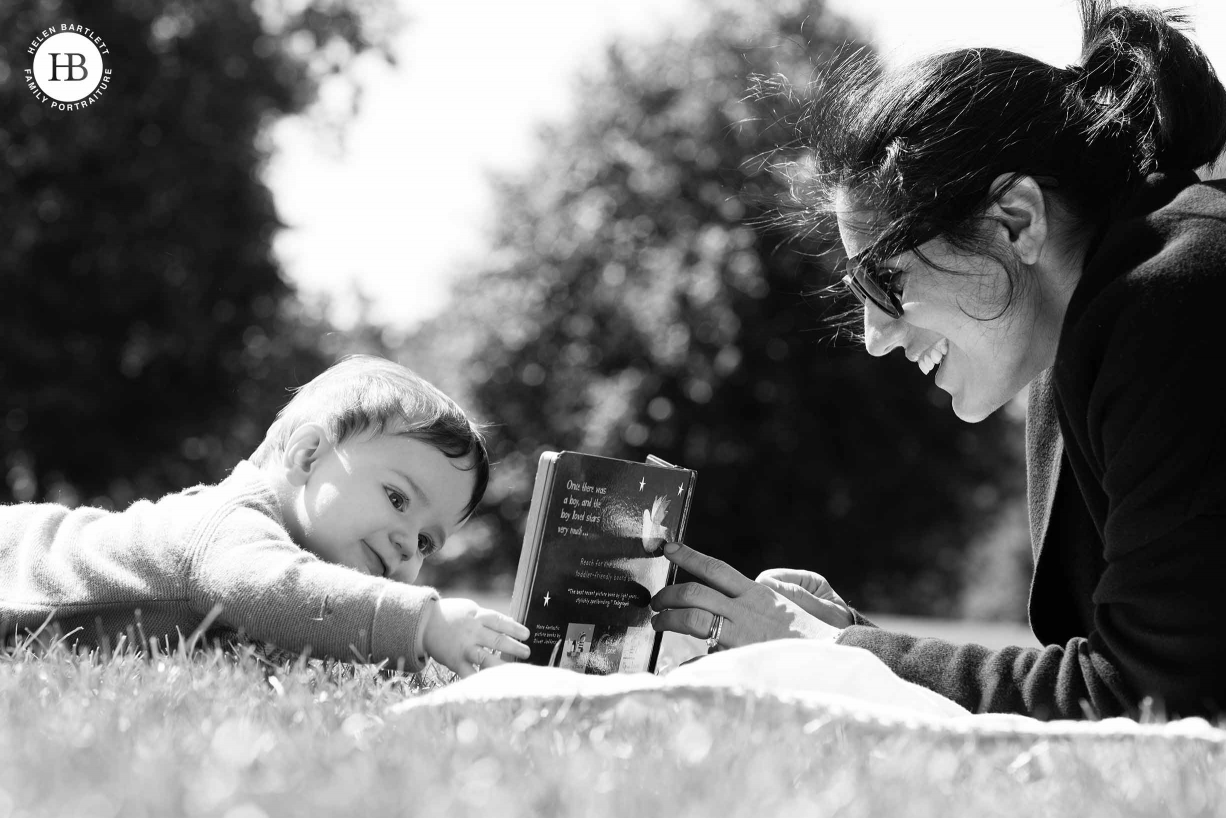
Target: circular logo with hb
[{"x": 68, "y": 70}]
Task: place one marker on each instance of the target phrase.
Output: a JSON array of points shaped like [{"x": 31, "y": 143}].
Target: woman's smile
[{"x": 932, "y": 357}]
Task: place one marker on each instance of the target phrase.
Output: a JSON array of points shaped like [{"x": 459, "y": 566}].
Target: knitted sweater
[{"x": 167, "y": 564}]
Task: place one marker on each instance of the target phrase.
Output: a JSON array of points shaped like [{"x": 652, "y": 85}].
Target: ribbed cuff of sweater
[{"x": 398, "y": 630}]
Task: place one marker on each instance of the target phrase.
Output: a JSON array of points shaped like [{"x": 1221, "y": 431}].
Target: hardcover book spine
[
  {"x": 685, "y": 509},
  {"x": 685, "y": 516},
  {"x": 533, "y": 534}
]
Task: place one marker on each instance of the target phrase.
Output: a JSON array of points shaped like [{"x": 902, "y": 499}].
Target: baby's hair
[
  {"x": 920, "y": 147},
  {"x": 364, "y": 393}
]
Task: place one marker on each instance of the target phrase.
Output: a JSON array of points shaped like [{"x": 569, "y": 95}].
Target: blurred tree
[
  {"x": 640, "y": 301},
  {"x": 147, "y": 335}
]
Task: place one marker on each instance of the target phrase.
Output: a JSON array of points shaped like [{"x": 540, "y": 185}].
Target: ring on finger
[{"x": 717, "y": 625}]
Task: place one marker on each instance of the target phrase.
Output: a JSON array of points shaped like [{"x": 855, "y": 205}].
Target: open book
[{"x": 592, "y": 559}]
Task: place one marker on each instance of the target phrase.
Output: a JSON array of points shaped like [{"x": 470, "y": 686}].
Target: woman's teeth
[{"x": 931, "y": 359}]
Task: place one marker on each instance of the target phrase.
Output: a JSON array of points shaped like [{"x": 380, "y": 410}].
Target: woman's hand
[
  {"x": 781, "y": 604},
  {"x": 466, "y": 637},
  {"x": 811, "y": 592}
]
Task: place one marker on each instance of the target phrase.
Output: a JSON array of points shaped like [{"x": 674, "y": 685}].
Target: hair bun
[{"x": 1152, "y": 87}]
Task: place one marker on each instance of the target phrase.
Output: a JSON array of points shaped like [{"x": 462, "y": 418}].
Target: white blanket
[{"x": 842, "y": 679}]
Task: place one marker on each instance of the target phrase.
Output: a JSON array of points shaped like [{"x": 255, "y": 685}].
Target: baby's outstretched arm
[
  {"x": 466, "y": 637},
  {"x": 276, "y": 592}
]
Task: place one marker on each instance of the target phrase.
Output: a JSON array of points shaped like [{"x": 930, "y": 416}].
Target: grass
[{"x": 228, "y": 733}]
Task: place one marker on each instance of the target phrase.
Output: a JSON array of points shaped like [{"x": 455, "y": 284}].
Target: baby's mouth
[{"x": 382, "y": 572}]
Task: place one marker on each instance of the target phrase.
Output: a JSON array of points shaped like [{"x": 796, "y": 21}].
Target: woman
[{"x": 1009, "y": 223}]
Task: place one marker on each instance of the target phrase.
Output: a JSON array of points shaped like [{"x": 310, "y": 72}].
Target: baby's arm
[{"x": 276, "y": 592}]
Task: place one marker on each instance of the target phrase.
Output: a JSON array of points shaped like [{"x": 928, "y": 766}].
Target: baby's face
[{"x": 382, "y": 504}]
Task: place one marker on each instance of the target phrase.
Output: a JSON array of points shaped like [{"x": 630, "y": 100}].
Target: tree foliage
[
  {"x": 147, "y": 334},
  {"x": 643, "y": 300}
]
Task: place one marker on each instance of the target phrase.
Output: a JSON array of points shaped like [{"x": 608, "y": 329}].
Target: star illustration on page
[
  {"x": 642, "y": 482},
  {"x": 546, "y": 599},
  {"x": 679, "y": 488},
  {"x": 654, "y": 532}
]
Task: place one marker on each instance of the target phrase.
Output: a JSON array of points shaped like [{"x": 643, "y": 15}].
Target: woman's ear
[
  {"x": 306, "y": 446},
  {"x": 1022, "y": 214}
]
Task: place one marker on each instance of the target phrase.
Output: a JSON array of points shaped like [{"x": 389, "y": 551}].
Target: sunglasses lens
[
  {"x": 867, "y": 291},
  {"x": 854, "y": 284}
]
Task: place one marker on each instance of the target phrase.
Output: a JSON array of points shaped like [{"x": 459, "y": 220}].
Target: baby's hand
[{"x": 466, "y": 637}]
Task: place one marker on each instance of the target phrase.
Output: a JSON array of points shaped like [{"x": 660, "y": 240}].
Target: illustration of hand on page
[{"x": 654, "y": 532}]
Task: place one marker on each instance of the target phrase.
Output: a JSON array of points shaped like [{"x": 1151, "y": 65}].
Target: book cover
[{"x": 592, "y": 559}]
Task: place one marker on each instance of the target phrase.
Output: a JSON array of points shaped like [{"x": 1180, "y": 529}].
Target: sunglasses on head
[{"x": 863, "y": 279}]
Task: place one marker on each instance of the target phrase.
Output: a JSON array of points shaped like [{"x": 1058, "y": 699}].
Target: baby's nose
[
  {"x": 410, "y": 562},
  {"x": 409, "y": 569},
  {"x": 405, "y": 543}
]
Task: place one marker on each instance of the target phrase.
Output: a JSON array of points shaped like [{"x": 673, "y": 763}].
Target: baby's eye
[
  {"x": 398, "y": 500},
  {"x": 426, "y": 545}
]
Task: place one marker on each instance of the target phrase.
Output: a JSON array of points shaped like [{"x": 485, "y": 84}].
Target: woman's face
[{"x": 951, "y": 325}]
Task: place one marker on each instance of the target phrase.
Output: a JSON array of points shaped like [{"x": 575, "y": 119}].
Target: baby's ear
[{"x": 306, "y": 446}]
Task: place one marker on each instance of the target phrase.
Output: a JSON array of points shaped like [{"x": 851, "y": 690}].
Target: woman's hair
[
  {"x": 364, "y": 393},
  {"x": 920, "y": 147}
]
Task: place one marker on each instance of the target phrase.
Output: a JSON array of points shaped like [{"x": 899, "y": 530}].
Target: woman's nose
[{"x": 881, "y": 332}]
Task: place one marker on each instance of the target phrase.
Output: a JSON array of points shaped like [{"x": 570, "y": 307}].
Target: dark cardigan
[{"x": 1126, "y": 468}]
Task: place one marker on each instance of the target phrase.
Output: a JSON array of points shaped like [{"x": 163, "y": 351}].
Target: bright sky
[{"x": 407, "y": 205}]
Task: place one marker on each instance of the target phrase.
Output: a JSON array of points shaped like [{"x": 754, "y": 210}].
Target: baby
[{"x": 312, "y": 543}]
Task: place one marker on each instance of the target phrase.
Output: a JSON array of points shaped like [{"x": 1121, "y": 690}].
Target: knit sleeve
[
  {"x": 1064, "y": 682},
  {"x": 272, "y": 590}
]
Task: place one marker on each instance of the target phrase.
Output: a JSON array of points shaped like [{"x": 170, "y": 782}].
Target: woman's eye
[
  {"x": 893, "y": 281},
  {"x": 398, "y": 500},
  {"x": 426, "y": 545}
]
